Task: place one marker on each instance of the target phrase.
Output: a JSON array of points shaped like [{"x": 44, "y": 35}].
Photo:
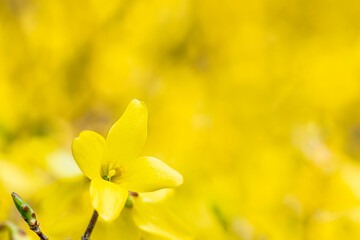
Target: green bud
[
  {"x": 129, "y": 201},
  {"x": 26, "y": 212}
]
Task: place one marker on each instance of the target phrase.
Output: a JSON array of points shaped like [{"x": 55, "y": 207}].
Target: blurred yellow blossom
[
  {"x": 155, "y": 220},
  {"x": 14, "y": 232}
]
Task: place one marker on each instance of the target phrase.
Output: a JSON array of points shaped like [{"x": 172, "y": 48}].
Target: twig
[
  {"x": 91, "y": 226},
  {"x": 28, "y": 215},
  {"x": 40, "y": 234}
]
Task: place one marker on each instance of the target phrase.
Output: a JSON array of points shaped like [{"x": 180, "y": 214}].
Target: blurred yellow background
[{"x": 256, "y": 103}]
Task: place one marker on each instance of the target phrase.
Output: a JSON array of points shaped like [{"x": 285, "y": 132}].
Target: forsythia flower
[{"x": 113, "y": 164}]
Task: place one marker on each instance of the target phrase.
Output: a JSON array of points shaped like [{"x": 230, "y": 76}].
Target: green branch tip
[
  {"x": 28, "y": 215},
  {"x": 26, "y": 211}
]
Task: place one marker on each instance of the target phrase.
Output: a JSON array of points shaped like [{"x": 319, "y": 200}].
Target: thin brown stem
[
  {"x": 40, "y": 234},
  {"x": 91, "y": 226}
]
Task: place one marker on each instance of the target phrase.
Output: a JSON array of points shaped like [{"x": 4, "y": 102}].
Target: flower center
[{"x": 111, "y": 174}]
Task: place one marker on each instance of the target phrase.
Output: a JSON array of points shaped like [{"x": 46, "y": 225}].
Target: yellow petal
[
  {"x": 89, "y": 150},
  {"x": 127, "y": 136},
  {"x": 147, "y": 174},
  {"x": 157, "y": 196},
  {"x": 107, "y": 198},
  {"x": 159, "y": 222},
  {"x": 121, "y": 228}
]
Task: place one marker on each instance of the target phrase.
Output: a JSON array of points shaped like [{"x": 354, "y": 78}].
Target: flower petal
[
  {"x": 107, "y": 198},
  {"x": 165, "y": 225},
  {"x": 89, "y": 150},
  {"x": 127, "y": 136},
  {"x": 157, "y": 196},
  {"x": 121, "y": 228},
  {"x": 147, "y": 174}
]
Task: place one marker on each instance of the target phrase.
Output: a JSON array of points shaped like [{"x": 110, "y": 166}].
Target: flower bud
[{"x": 26, "y": 212}]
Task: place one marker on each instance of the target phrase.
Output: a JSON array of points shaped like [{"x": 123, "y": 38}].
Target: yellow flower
[{"x": 113, "y": 164}]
